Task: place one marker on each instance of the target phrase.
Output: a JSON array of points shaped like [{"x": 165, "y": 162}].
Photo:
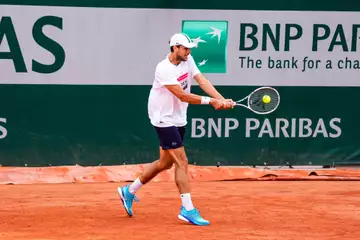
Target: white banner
[{"x": 123, "y": 46}]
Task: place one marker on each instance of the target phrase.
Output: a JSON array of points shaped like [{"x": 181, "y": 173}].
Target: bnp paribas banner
[
  {"x": 74, "y": 84},
  {"x": 57, "y": 45}
]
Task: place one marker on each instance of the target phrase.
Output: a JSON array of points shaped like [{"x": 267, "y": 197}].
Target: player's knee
[
  {"x": 164, "y": 164},
  {"x": 168, "y": 166},
  {"x": 183, "y": 159},
  {"x": 183, "y": 163}
]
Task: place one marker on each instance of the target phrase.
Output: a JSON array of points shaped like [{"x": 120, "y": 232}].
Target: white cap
[{"x": 181, "y": 39}]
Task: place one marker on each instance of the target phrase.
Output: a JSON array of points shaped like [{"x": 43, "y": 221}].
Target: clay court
[{"x": 237, "y": 210}]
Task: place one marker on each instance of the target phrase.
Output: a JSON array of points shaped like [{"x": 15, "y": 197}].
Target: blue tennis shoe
[
  {"x": 127, "y": 199},
  {"x": 193, "y": 217}
]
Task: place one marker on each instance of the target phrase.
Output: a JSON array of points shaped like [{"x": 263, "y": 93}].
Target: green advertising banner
[
  {"x": 74, "y": 82},
  {"x": 92, "y": 125}
]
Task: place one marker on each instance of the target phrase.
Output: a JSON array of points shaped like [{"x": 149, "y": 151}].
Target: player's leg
[
  {"x": 163, "y": 163},
  {"x": 181, "y": 169},
  {"x": 181, "y": 174},
  {"x": 168, "y": 138},
  {"x": 127, "y": 193},
  {"x": 188, "y": 212}
]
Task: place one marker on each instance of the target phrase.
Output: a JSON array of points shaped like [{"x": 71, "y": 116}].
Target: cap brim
[{"x": 189, "y": 45}]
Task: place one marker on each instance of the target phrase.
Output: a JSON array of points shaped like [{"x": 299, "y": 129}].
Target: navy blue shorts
[{"x": 171, "y": 137}]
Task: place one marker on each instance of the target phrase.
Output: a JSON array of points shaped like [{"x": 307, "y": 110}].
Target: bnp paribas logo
[{"x": 211, "y": 38}]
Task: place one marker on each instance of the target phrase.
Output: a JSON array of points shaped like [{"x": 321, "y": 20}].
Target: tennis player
[{"x": 167, "y": 108}]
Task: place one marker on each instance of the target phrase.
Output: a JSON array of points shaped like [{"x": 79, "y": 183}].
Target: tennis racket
[{"x": 263, "y": 100}]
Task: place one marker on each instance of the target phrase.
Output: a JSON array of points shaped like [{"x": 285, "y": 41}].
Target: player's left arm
[{"x": 207, "y": 86}]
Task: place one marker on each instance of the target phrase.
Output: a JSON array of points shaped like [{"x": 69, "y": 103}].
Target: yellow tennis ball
[{"x": 266, "y": 99}]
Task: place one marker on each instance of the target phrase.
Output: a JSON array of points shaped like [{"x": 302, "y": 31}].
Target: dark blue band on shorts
[{"x": 171, "y": 137}]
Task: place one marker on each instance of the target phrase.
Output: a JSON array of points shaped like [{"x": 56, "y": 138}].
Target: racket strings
[{"x": 256, "y": 100}]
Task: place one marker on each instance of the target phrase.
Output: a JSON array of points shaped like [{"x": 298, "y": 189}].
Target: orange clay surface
[{"x": 237, "y": 210}]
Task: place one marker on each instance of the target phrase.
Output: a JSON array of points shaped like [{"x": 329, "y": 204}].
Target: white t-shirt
[{"x": 164, "y": 108}]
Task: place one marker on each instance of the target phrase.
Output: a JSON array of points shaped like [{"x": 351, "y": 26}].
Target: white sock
[
  {"x": 136, "y": 185},
  {"x": 186, "y": 201}
]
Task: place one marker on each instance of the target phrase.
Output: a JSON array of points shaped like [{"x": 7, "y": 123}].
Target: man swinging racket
[{"x": 167, "y": 108}]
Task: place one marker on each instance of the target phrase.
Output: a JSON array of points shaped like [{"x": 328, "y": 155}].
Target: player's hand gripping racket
[{"x": 263, "y": 100}]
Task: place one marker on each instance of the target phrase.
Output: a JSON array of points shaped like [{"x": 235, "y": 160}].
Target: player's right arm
[{"x": 192, "y": 98}]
